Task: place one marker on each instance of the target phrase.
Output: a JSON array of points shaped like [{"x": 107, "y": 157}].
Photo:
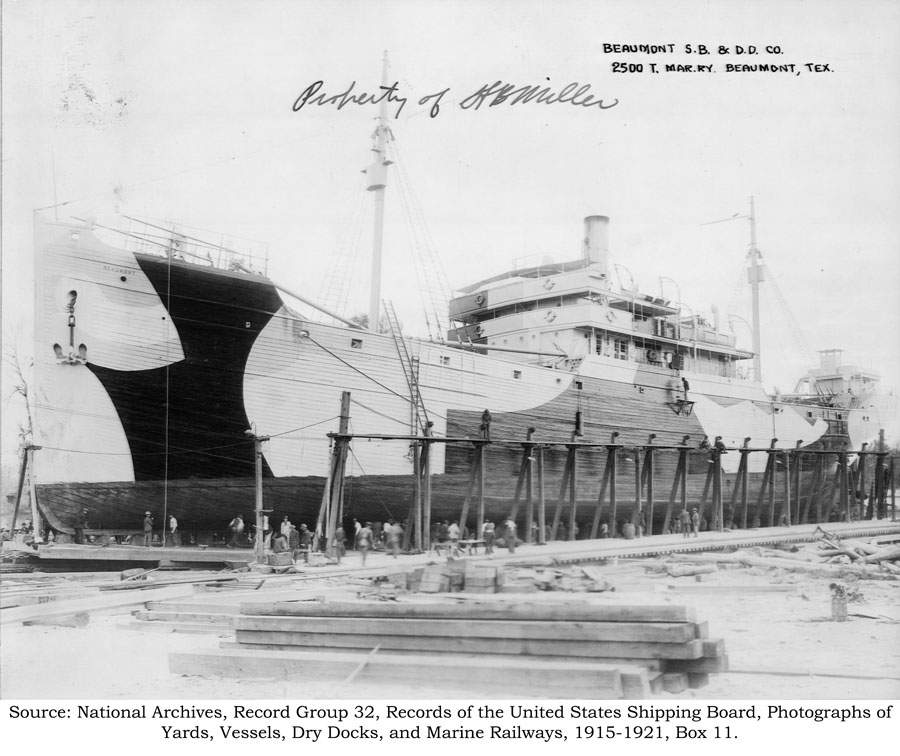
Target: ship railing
[{"x": 149, "y": 239}]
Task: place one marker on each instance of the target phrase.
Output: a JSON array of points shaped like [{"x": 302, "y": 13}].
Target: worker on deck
[
  {"x": 695, "y": 522},
  {"x": 684, "y": 520}
]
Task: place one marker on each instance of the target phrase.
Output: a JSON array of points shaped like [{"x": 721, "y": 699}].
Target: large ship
[
  {"x": 154, "y": 359},
  {"x": 161, "y": 360}
]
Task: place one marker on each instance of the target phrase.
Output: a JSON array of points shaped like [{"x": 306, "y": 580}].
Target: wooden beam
[
  {"x": 586, "y": 649},
  {"x": 563, "y": 630},
  {"x": 562, "y": 679},
  {"x": 571, "y": 611}
]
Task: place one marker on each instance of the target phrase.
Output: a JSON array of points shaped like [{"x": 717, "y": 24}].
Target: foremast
[{"x": 376, "y": 175}]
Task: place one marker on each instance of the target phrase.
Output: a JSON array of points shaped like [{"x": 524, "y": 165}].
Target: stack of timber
[{"x": 566, "y": 650}]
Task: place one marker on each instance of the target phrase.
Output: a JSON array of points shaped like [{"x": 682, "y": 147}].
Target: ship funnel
[{"x": 596, "y": 242}]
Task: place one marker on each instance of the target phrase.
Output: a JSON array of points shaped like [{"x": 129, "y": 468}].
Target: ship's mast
[
  {"x": 755, "y": 274},
  {"x": 376, "y": 174}
]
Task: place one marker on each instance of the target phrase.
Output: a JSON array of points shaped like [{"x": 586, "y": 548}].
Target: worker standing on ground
[
  {"x": 338, "y": 543},
  {"x": 286, "y": 527},
  {"x": 453, "y": 534},
  {"x": 174, "y": 535},
  {"x": 684, "y": 520},
  {"x": 81, "y": 526},
  {"x": 364, "y": 541},
  {"x": 511, "y": 535},
  {"x": 487, "y": 535},
  {"x": 293, "y": 542},
  {"x": 148, "y": 529},
  {"x": 695, "y": 522},
  {"x": 235, "y": 531},
  {"x": 395, "y": 533}
]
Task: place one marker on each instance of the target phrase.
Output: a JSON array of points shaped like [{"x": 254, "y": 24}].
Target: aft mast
[
  {"x": 756, "y": 274},
  {"x": 376, "y": 174}
]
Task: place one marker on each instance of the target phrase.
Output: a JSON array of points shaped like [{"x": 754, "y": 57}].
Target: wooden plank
[
  {"x": 108, "y": 601},
  {"x": 221, "y": 619},
  {"x": 192, "y": 606},
  {"x": 649, "y": 632},
  {"x": 651, "y": 665},
  {"x": 690, "y": 650},
  {"x": 575, "y": 612},
  {"x": 704, "y": 665},
  {"x": 189, "y": 628},
  {"x": 557, "y": 679}
]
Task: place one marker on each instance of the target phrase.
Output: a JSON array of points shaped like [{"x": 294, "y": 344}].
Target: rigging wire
[
  {"x": 340, "y": 359},
  {"x": 375, "y": 491}
]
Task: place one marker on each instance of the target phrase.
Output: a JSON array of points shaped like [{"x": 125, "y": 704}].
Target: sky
[{"x": 184, "y": 112}]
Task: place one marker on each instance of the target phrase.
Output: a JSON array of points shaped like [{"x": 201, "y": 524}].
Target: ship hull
[{"x": 151, "y": 371}]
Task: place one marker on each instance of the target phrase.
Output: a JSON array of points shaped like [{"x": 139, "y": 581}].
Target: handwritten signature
[{"x": 490, "y": 95}]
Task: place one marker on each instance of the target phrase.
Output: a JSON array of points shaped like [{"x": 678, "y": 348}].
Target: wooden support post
[
  {"x": 718, "y": 514},
  {"x": 426, "y": 489},
  {"x": 638, "y": 493},
  {"x": 859, "y": 490},
  {"x": 817, "y": 489},
  {"x": 648, "y": 477},
  {"x": 707, "y": 485},
  {"x": 573, "y": 491},
  {"x": 37, "y": 527},
  {"x": 745, "y": 483},
  {"x": 772, "y": 462},
  {"x": 852, "y": 500},
  {"x": 613, "y": 500},
  {"x": 26, "y": 456},
  {"x": 529, "y": 497},
  {"x": 893, "y": 485},
  {"x": 523, "y": 479},
  {"x": 259, "y": 546},
  {"x": 834, "y": 491},
  {"x": 880, "y": 508},
  {"x": 542, "y": 507},
  {"x": 557, "y": 512},
  {"x": 470, "y": 487},
  {"x": 415, "y": 521},
  {"x": 604, "y": 484},
  {"x": 731, "y": 514},
  {"x": 339, "y": 463},
  {"x": 786, "y": 505},
  {"x": 667, "y": 520},
  {"x": 844, "y": 483},
  {"x": 796, "y": 470},
  {"x": 757, "y": 517},
  {"x": 482, "y": 464}
]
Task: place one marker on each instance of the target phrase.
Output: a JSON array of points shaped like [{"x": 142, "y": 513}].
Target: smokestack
[{"x": 596, "y": 242}]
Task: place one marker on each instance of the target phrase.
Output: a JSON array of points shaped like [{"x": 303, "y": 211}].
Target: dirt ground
[{"x": 777, "y": 627}]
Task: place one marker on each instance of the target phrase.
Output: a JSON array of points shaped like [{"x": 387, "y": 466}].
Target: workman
[{"x": 148, "y": 529}]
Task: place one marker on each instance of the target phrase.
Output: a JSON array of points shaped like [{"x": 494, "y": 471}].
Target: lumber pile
[
  {"x": 833, "y": 549},
  {"x": 837, "y": 561},
  {"x": 574, "y": 649}
]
